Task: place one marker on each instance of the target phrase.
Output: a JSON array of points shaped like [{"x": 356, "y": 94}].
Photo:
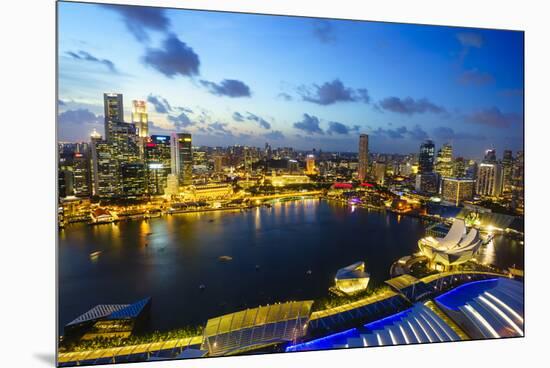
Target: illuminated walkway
[
  {"x": 490, "y": 308},
  {"x": 132, "y": 353}
]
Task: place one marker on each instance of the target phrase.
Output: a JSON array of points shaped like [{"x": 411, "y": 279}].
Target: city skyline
[{"x": 227, "y": 85}]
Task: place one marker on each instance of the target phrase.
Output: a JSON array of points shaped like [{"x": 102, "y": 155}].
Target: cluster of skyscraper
[{"x": 127, "y": 162}]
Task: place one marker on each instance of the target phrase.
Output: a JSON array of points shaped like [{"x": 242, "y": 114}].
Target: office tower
[
  {"x": 293, "y": 166},
  {"x": 363, "y": 157},
  {"x": 507, "y": 173},
  {"x": 172, "y": 187},
  {"x": 489, "y": 179},
  {"x": 105, "y": 169},
  {"x": 444, "y": 163},
  {"x": 247, "y": 160},
  {"x": 182, "y": 158},
  {"x": 459, "y": 167},
  {"x": 518, "y": 194},
  {"x": 158, "y": 163},
  {"x": 140, "y": 118},
  {"x": 218, "y": 163},
  {"x": 113, "y": 112},
  {"x": 81, "y": 174},
  {"x": 457, "y": 190},
  {"x": 426, "y": 180},
  {"x": 310, "y": 164},
  {"x": 379, "y": 170},
  {"x": 65, "y": 176},
  {"x": 490, "y": 156},
  {"x": 124, "y": 141},
  {"x": 133, "y": 179},
  {"x": 426, "y": 157}
]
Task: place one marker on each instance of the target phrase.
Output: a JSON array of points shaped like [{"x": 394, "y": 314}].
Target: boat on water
[
  {"x": 95, "y": 254},
  {"x": 225, "y": 258}
]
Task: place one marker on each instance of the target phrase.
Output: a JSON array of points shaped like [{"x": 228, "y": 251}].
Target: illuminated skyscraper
[
  {"x": 310, "y": 164},
  {"x": 140, "y": 118},
  {"x": 444, "y": 163},
  {"x": 113, "y": 112},
  {"x": 379, "y": 172},
  {"x": 157, "y": 163},
  {"x": 490, "y": 156},
  {"x": 218, "y": 163},
  {"x": 489, "y": 179},
  {"x": 182, "y": 158},
  {"x": 426, "y": 157},
  {"x": 457, "y": 190},
  {"x": 133, "y": 179},
  {"x": 105, "y": 169},
  {"x": 81, "y": 174},
  {"x": 518, "y": 196},
  {"x": 507, "y": 173},
  {"x": 363, "y": 157}
]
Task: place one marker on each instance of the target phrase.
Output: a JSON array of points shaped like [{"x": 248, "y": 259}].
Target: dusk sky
[{"x": 306, "y": 83}]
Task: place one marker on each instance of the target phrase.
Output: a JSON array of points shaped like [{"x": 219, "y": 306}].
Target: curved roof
[{"x": 456, "y": 247}]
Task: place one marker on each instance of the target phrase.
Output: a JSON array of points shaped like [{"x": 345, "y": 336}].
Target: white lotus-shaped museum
[{"x": 457, "y": 247}]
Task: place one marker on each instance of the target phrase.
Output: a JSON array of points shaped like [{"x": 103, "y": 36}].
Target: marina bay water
[{"x": 289, "y": 251}]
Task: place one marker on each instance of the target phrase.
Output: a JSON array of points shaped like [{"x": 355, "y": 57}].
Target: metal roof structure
[
  {"x": 98, "y": 312},
  {"x": 130, "y": 311},
  {"x": 255, "y": 327}
]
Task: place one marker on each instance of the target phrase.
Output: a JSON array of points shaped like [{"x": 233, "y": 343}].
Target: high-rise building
[
  {"x": 133, "y": 179},
  {"x": 157, "y": 163},
  {"x": 518, "y": 196},
  {"x": 459, "y": 167},
  {"x": 507, "y": 173},
  {"x": 105, "y": 169},
  {"x": 182, "y": 158},
  {"x": 293, "y": 166},
  {"x": 457, "y": 190},
  {"x": 490, "y": 156},
  {"x": 113, "y": 112},
  {"x": 489, "y": 179},
  {"x": 172, "y": 187},
  {"x": 426, "y": 157},
  {"x": 427, "y": 183},
  {"x": 363, "y": 157},
  {"x": 310, "y": 164},
  {"x": 379, "y": 169},
  {"x": 444, "y": 163},
  {"x": 218, "y": 163},
  {"x": 81, "y": 174},
  {"x": 124, "y": 141},
  {"x": 140, "y": 118}
]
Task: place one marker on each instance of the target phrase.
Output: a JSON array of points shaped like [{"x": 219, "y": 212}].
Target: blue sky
[{"x": 308, "y": 83}]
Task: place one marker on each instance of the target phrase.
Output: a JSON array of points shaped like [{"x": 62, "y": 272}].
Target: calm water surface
[{"x": 168, "y": 258}]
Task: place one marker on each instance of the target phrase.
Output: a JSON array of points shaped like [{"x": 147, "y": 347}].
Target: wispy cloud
[
  {"x": 323, "y": 30},
  {"x": 228, "y": 88},
  {"x": 410, "y": 106},
  {"x": 86, "y": 56},
  {"x": 140, "y": 20},
  {"x": 494, "y": 117},
  {"x": 332, "y": 92},
  {"x": 475, "y": 77}
]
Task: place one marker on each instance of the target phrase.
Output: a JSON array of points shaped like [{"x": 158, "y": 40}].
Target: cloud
[
  {"x": 449, "y": 134},
  {"x": 332, "y": 92},
  {"x": 285, "y": 96},
  {"x": 139, "y": 19},
  {"x": 86, "y": 56},
  {"x": 173, "y": 58},
  {"x": 410, "y": 106},
  {"x": 468, "y": 39},
  {"x": 417, "y": 133},
  {"x": 495, "y": 118},
  {"x": 60, "y": 102},
  {"x": 237, "y": 116},
  {"x": 262, "y": 122},
  {"x": 219, "y": 128},
  {"x": 475, "y": 77},
  {"x": 274, "y": 135},
  {"x": 335, "y": 127},
  {"x": 309, "y": 125},
  {"x": 323, "y": 30},
  {"x": 181, "y": 120},
  {"x": 79, "y": 116},
  {"x": 161, "y": 105},
  {"x": 227, "y": 87}
]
